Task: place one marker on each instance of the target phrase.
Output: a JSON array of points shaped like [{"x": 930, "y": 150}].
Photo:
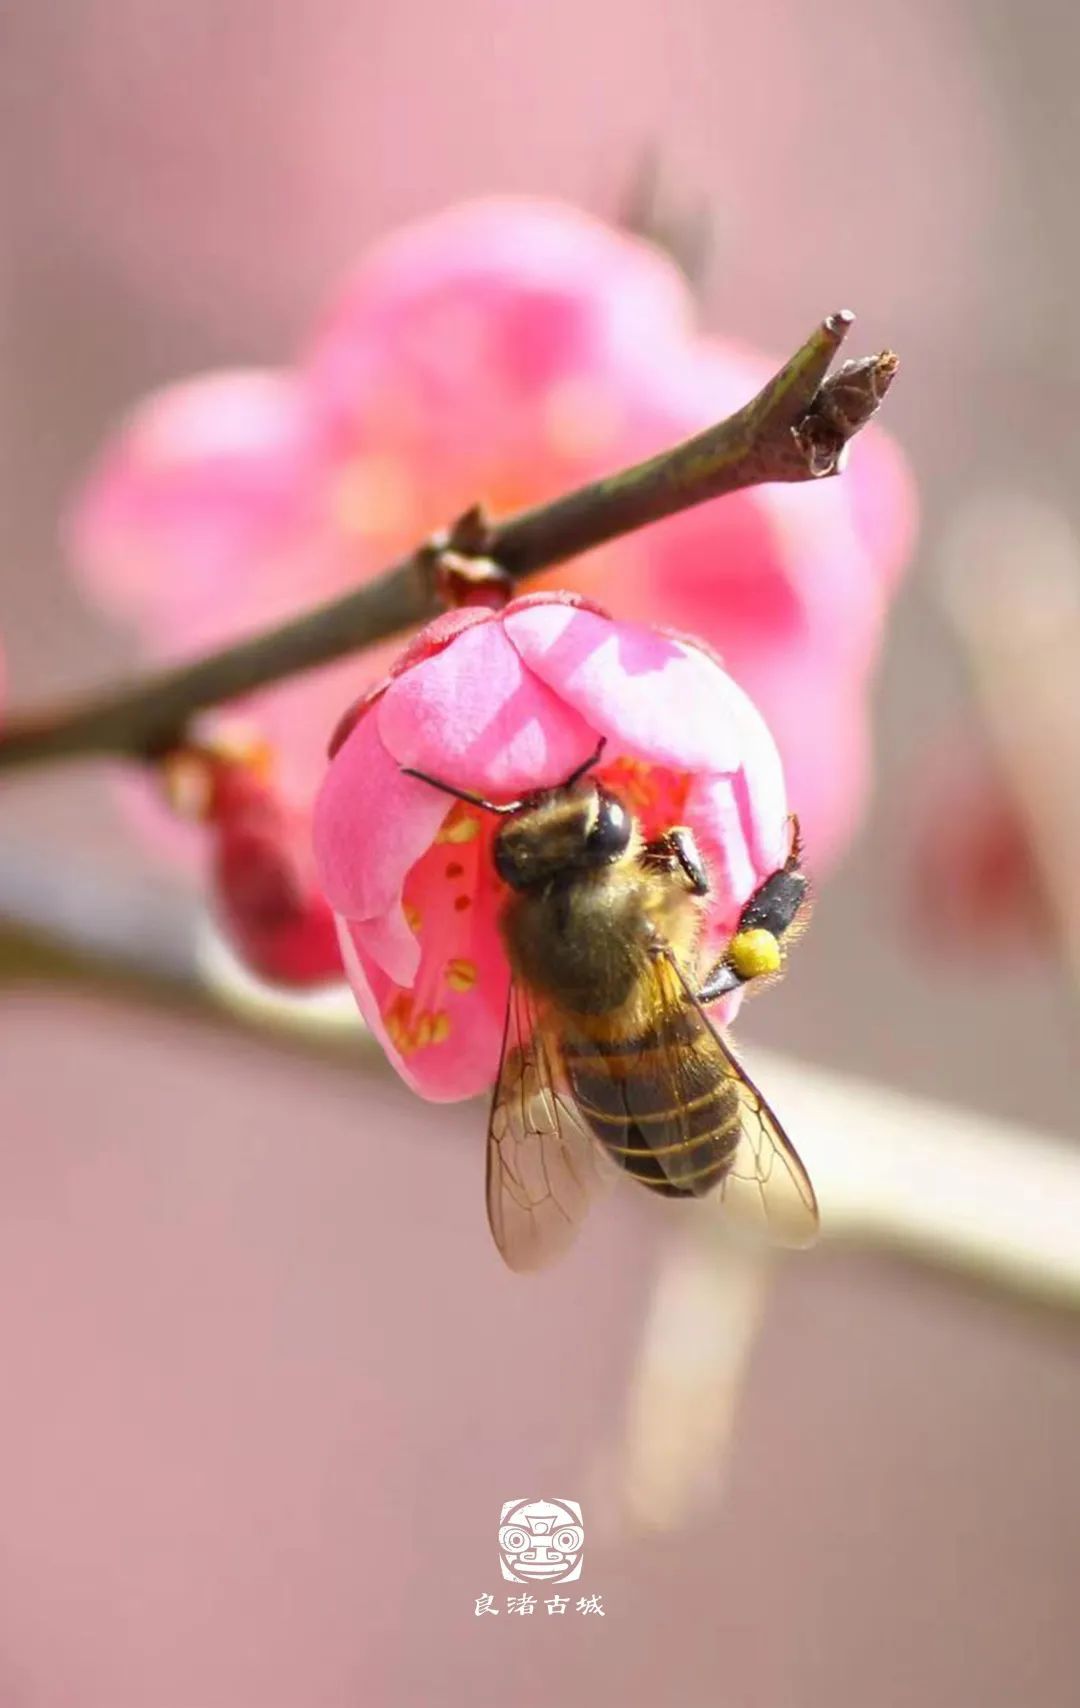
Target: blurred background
[{"x": 267, "y": 1387}]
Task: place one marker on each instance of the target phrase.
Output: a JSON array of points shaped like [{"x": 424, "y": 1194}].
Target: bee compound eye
[
  {"x": 511, "y": 860},
  {"x": 610, "y": 832}
]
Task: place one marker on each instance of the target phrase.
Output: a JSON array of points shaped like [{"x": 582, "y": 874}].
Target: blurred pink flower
[
  {"x": 974, "y": 886},
  {"x": 501, "y": 704},
  {"x": 503, "y": 351},
  {"x": 263, "y": 888}
]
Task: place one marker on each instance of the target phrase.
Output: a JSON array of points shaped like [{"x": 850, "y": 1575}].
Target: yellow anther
[
  {"x": 461, "y": 974},
  {"x": 459, "y": 828}
]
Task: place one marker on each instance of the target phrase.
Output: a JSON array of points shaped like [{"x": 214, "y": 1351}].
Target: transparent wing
[
  {"x": 765, "y": 1185},
  {"x": 543, "y": 1164}
]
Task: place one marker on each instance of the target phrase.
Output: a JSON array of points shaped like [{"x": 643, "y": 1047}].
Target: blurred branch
[
  {"x": 131, "y": 939},
  {"x": 72, "y": 923},
  {"x": 951, "y": 1188},
  {"x": 794, "y": 430},
  {"x": 988, "y": 1199},
  {"x": 655, "y": 211}
]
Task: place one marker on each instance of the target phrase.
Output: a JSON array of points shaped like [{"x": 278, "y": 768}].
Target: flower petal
[
  {"x": 389, "y": 942},
  {"x": 760, "y": 791},
  {"x": 474, "y": 717},
  {"x": 655, "y": 697},
  {"x": 881, "y": 489},
  {"x": 194, "y": 501},
  {"x": 821, "y": 730},
  {"x": 503, "y": 297},
  {"x": 369, "y": 986},
  {"x": 715, "y": 815},
  {"x": 446, "y": 1054},
  {"x": 371, "y": 824}
]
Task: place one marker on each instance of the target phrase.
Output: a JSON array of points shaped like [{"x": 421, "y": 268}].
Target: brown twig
[{"x": 795, "y": 429}]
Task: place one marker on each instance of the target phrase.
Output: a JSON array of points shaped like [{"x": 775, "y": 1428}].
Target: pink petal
[
  {"x": 507, "y": 295},
  {"x": 881, "y": 489},
  {"x": 371, "y": 824},
  {"x": 370, "y": 986},
  {"x": 202, "y": 490},
  {"x": 715, "y": 814},
  {"x": 760, "y": 791},
  {"x": 388, "y": 942},
  {"x": 779, "y": 565},
  {"x": 654, "y": 697},
  {"x": 473, "y": 716},
  {"x": 820, "y": 727},
  {"x": 437, "y": 635},
  {"x": 459, "y": 1062},
  {"x": 452, "y": 899}
]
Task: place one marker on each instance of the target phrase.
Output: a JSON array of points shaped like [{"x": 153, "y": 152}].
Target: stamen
[{"x": 461, "y": 974}]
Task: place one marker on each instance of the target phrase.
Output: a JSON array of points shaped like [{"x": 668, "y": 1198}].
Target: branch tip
[
  {"x": 838, "y": 325},
  {"x": 842, "y": 406}
]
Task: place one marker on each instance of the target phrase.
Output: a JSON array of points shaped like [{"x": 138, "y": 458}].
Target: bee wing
[
  {"x": 543, "y": 1163},
  {"x": 766, "y": 1185}
]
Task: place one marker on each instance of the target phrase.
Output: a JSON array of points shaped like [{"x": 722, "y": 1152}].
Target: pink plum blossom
[
  {"x": 264, "y": 893},
  {"x": 502, "y": 351},
  {"x": 974, "y": 886},
  {"x": 500, "y": 704}
]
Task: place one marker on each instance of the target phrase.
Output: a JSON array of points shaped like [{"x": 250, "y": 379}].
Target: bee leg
[
  {"x": 677, "y": 848},
  {"x": 722, "y": 980},
  {"x": 755, "y": 948},
  {"x": 775, "y": 903}
]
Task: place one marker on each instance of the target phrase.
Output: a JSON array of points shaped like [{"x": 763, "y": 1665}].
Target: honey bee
[{"x": 610, "y": 1062}]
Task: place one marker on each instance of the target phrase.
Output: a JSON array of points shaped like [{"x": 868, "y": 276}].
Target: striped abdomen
[{"x": 663, "y": 1102}]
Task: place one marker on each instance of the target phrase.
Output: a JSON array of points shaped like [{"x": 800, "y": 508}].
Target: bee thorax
[{"x": 581, "y": 944}]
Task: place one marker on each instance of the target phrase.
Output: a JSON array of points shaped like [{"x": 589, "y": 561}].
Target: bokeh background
[{"x": 266, "y": 1386}]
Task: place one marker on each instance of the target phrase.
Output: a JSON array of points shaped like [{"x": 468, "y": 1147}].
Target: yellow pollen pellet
[
  {"x": 753, "y": 953},
  {"x": 440, "y": 1027},
  {"x": 461, "y": 975}
]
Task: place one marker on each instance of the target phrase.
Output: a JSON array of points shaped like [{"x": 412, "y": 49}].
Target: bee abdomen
[{"x": 665, "y": 1112}]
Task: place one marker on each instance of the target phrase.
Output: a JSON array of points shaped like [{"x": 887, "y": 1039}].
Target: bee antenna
[
  {"x": 593, "y": 759},
  {"x": 461, "y": 794}
]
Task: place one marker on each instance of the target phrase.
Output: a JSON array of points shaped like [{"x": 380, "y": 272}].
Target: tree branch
[{"x": 795, "y": 429}]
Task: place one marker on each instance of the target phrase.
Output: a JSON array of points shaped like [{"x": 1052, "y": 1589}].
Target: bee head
[{"x": 560, "y": 832}]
